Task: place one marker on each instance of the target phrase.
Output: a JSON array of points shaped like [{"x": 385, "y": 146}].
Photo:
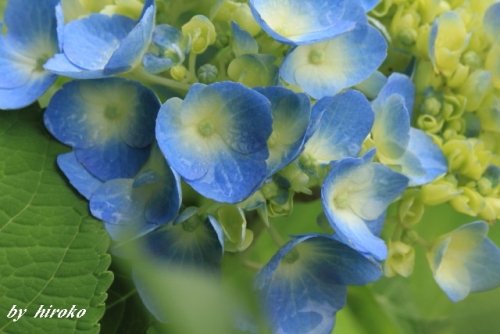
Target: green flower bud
[
  {"x": 400, "y": 259},
  {"x": 430, "y": 123},
  {"x": 454, "y": 107},
  {"x": 438, "y": 192},
  {"x": 470, "y": 202},
  {"x": 178, "y": 72},
  {"x": 201, "y": 32},
  {"x": 207, "y": 73},
  {"x": 411, "y": 208},
  {"x": 431, "y": 106}
]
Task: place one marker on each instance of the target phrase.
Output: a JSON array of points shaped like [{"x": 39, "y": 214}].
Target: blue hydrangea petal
[
  {"x": 243, "y": 42},
  {"x": 93, "y": 112},
  {"x": 397, "y": 84},
  {"x": 16, "y": 68},
  {"x": 154, "y": 64},
  {"x": 465, "y": 261},
  {"x": 216, "y": 139},
  {"x": 180, "y": 244},
  {"x": 301, "y": 22},
  {"x": 59, "y": 64},
  {"x": 423, "y": 160},
  {"x": 324, "y": 69},
  {"x": 303, "y": 285},
  {"x": 357, "y": 192},
  {"x": 291, "y": 113},
  {"x": 133, "y": 47},
  {"x": 84, "y": 182},
  {"x": 164, "y": 36},
  {"x": 391, "y": 130},
  {"x": 346, "y": 120},
  {"x": 25, "y": 95},
  {"x": 113, "y": 160},
  {"x": 90, "y": 42},
  {"x": 30, "y": 24},
  {"x": 491, "y": 22}
]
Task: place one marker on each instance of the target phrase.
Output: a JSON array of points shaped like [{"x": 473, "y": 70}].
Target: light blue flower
[
  {"x": 307, "y": 21},
  {"x": 80, "y": 178},
  {"x": 344, "y": 122},
  {"x": 491, "y": 22},
  {"x": 369, "y": 4},
  {"x": 409, "y": 150},
  {"x": 169, "y": 48},
  {"x": 326, "y": 68},
  {"x": 139, "y": 205},
  {"x": 216, "y": 139},
  {"x": 31, "y": 39},
  {"x": 465, "y": 261},
  {"x": 304, "y": 284},
  {"x": 291, "y": 115},
  {"x": 109, "y": 123},
  {"x": 99, "y": 45},
  {"x": 355, "y": 194}
]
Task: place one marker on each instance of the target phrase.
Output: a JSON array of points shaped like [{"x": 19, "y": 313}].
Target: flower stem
[{"x": 142, "y": 75}]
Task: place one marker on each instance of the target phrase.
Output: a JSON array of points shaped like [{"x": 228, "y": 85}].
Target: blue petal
[
  {"x": 112, "y": 160},
  {"x": 31, "y": 25},
  {"x": 243, "y": 42},
  {"x": 60, "y": 65},
  {"x": 303, "y": 22},
  {"x": 90, "y": 42},
  {"x": 355, "y": 193},
  {"x": 491, "y": 22},
  {"x": 16, "y": 68},
  {"x": 324, "y": 69},
  {"x": 154, "y": 64},
  {"x": 391, "y": 130},
  {"x": 397, "y": 84},
  {"x": 185, "y": 244},
  {"x": 25, "y": 95},
  {"x": 303, "y": 285},
  {"x": 84, "y": 182},
  {"x": 423, "y": 160},
  {"x": 465, "y": 261},
  {"x": 92, "y": 113},
  {"x": 164, "y": 36},
  {"x": 291, "y": 113},
  {"x": 216, "y": 139},
  {"x": 346, "y": 120},
  {"x": 133, "y": 47}
]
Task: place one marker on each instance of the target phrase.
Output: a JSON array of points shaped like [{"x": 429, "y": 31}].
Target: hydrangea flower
[
  {"x": 87, "y": 52},
  {"x": 139, "y": 205},
  {"x": 109, "y": 123},
  {"x": 31, "y": 39},
  {"x": 79, "y": 177},
  {"x": 325, "y": 68},
  {"x": 398, "y": 144},
  {"x": 343, "y": 123},
  {"x": 216, "y": 139},
  {"x": 355, "y": 196},
  {"x": 465, "y": 261},
  {"x": 305, "y": 283},
  {"x": 304, "y": 22}
]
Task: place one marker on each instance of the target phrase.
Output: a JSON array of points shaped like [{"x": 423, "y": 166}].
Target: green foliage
[{"x": 51, "y": 252}]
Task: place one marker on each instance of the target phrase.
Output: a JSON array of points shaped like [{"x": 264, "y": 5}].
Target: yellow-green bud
[
  {"x": 476, "y": 88},
  {"x": 431, "y": 106},
  {"x": 207, "y": 73},
  {"x": 454, "y": 107},
  {"x": 178, "y": 72},
  {"x": 430, "y": 123},
  {"x": 438, "y": 192},
  {"x": 411, "y": 208},
  {"x": 201, "y": 32},
  {"x": 400, "y": 259},
  {"x": 491, "y": 209},
  {"x": 470, "y": 202}
]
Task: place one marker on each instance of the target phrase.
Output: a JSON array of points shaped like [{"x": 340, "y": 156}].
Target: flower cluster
[{"x": 186, "y": 120}]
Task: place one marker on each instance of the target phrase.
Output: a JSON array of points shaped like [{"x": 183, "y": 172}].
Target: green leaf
[{"x": 51, "y": 252}]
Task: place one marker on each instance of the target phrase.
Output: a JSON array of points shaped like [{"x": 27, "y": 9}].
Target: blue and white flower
[
  {"x": 216, "y": 139},
  {"x": 109, "y": 123},
  {"x": 30, "y": 41}
]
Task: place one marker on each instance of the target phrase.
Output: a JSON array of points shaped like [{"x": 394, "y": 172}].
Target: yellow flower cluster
[{"x": 456, "y": 70}]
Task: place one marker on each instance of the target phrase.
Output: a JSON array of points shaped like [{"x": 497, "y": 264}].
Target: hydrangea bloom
[
  {"x": 216, "y": 139},
  {"x": 88, "y": 53},
  {"x": 465, "y": 261},
  {"x": 31, "y": 39},
  {"x": 108, "y": 122}
]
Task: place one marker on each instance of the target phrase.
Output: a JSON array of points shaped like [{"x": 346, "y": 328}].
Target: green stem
[
  {"x": 274, "y": 234},
  {"x": 252, "y": 265},
  {"x": 142, "y": 75},
  {"x": 192, "y": 67}
]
